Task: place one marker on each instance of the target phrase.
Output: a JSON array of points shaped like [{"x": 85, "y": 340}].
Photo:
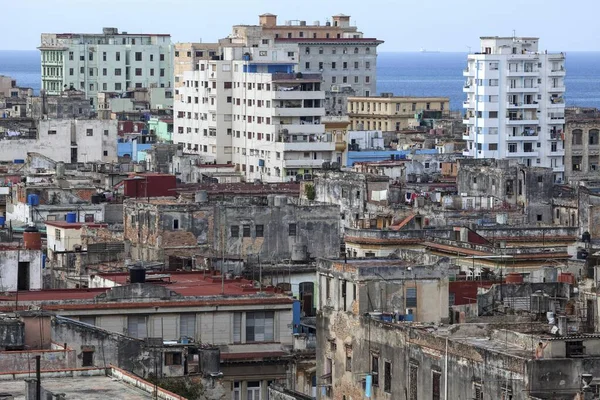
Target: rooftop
[
  {"x": 205, "y": 286},
  {"x": 74, "y": 225},
  {"x": 82, "y": 387},
  {"x": 330, "y": 40}
]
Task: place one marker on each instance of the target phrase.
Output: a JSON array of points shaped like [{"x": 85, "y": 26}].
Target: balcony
[
  {"x": 556, "y": 102},
  {"x": 527, "y": 154},
  {"x": 527, "y": 120},
  {"x": 304, "y": 163},
  {"x": 298, "y": 95},
  {"x": 557, "y": 88},
  {"x": 526, "y": 135},
  {"x": 557, "y": 72},
  {"x": 470, "y": 88},
  {"x": 521, "y": 72},
  {"x": 510, "y": 89},
  {"x": 532, "y": 105},
  {"x": 299, "y": 128},
  {"x": 298, "y": 111},
  {"x": 556, "y": 134},
  {"x": 558, "y": 169},
  {"x": 556, "y": 120},
  {"x": 305, "y": 146},
  {"x": 469, "y": 72},
  {"x": 468, "y": 104}
]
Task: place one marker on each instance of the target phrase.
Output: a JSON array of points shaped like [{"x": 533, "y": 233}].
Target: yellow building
[
  {"x": 337, "y": 127},
  {"x": 394, "y": 113}
]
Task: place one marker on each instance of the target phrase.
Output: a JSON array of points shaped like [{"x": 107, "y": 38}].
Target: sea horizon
[{"x": 403, "y": 73}]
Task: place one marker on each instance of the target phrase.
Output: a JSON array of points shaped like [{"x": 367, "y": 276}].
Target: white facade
[
  {"x": 515, "y": 104},
  {"x": 252, "y": 110},
  {"x": 23, "y": 213},
  {"x": 107, "y": 62},
  {"x": 66, "y": 140},
  {"x": 20, "y": 269}
]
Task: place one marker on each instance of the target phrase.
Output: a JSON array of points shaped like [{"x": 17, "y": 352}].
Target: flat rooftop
[
  {"x": 88, "y": 388},
  {"x": 373, "y": 262},
  {"x": 74, "y": 225},
  {"x": 188, "y": 284}
]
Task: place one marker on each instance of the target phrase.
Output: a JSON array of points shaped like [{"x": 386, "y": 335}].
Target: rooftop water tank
[
  {"x": 32, "y": 238},
  {"x": 137, "y": 274},
  {"x": 71, "y": 217}
]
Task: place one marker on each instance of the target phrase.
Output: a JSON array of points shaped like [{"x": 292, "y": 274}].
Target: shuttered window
[
  {"x": 136, "y": 326},
  {"x": 187, "y": 324},
  {"x": 237, "y": 328}
]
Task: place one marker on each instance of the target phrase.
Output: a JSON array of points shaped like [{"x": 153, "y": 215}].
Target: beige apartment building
[
  {"x": 187, "y": 55},
  {"x": 394, "y": 113}
]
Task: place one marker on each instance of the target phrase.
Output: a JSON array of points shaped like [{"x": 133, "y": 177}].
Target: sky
[{"x": 404, "y": 25}]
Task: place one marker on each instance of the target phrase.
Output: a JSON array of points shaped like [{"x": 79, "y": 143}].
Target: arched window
[
  {"x": 356, "y": 50},
  {"x": 577, "y": 137}
]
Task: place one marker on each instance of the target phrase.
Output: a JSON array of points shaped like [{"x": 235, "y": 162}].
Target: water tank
[
  {"x": 137, "y": 274},
  {"x": 96, "y": 199},
  {"x": 566, "y": 277},
  {"x": 210, "y": 361},
  {"x": 586, "y": 237},
  {"x": 2, "y": 221},
  {"x": 60, "y": 170},
  {"x": 582, "y": 254},
  {"x": 299, "y": 252},
  {"x": 201, "y": 196},
  {"x": 71, "y": 217},
  {"x": 514, "y": 277},
  {"x": 33, "y": 199},
  {"x": 32, "y": 238}
]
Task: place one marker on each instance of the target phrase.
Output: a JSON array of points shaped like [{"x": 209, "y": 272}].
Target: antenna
[{"x": 514, "y": 34}]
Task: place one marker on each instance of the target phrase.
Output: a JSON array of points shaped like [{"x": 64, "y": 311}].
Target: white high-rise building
[
  {"x": 106, "y": 62},
  {"x": 515, "y": 104},
  {"x": 253, "y": 110}
]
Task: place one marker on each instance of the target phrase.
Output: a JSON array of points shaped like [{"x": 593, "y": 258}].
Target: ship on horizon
[{"x": 423, "y": 50}]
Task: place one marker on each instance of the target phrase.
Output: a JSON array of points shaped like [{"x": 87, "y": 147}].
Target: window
[
  {"x": 477, "y": 391},
  {"x": 175, "y": 223},
  {"x": 71, "y": 71},
  {"x": 574, "y": 348},
  {"x": 259, "y": 326},
  {"x": 138, "y": 72},
  {"x": 118, "y": 56},
  {"x": 70, "y": 56},
  {"x": 138, "y": 56},
  {"x": 349, "y": 358},
  {"x": 292, "y": 230},
  {"x": 162, "y": 57},
  {"x": 387, "y": 377},
  {"x": 493, "y": 114},
  {"x": 117, "y": 71},
  {"x": 259, "y": 230},
  {"x": 151, "y": 71},
  {"x": 411, "y": 297},
  {"x": 89, "y": 132},
  {"x": 52, "y": 132},
  {"x": 105, "y": 153},
  {"x": 246, "y": 230},
  {"x": 90, "y": 320},
  {"x": 375, "y": 369},
  {"x": 512, "y": 147},
  {"x": 539, "y": 217},
  {"x": 57, "y": 234},
  {"x": 367, "y": 65},
  {"x": 333, "y": 65},
  {"x": 162, "y": 72},
  {"x": 412, "y": 381},
  {"x": 173, "y": 358},
  {"x": 436, "y": 379},
  {"x": 253, "y": 390},
  {"x": 290, "y": 54},
  {"x": 136, "y": 326},
  {"x": 87, "y": 358},
  {"x": 553, "y": 146},
  {"x": 493, "y": 146},
  {"x": 234, "y": 231},
  {"x": 187, "y": 325}
]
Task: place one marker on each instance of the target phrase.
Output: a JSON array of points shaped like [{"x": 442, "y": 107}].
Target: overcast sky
[{"x": 404, "y": 25}]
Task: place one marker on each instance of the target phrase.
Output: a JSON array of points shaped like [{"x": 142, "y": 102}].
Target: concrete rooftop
[{"x": 88, "y": 388}]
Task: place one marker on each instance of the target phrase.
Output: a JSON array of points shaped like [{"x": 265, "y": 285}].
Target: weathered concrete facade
[
  {"x": 246, "y": 227},
  {"x": 581, "y": 142}
]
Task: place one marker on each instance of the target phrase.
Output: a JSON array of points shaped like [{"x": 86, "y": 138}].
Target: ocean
[{"x": 404, "y": 74}]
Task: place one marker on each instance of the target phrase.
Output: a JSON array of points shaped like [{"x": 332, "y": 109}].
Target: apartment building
[
  {"x": 110, "y": 61},
  {"x": 187, "y": 55},
  {"x": 582, "y": 146},
  {"x": 336, "y": 49},
  {"x": 515, "y": 103},
  {"x": 253, "y": 109},
  {"x": 394, "y": 113}
]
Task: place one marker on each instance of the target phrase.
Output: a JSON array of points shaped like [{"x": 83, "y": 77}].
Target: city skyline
[{"x": 461, "y": 23}]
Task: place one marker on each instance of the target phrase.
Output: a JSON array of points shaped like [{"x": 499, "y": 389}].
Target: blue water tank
[
  {"x": 33, "y": 199},
  {"x": 19, "y": 161},
  {"x": 71, "y": 217},
  {"x": 2, "y": 221}
]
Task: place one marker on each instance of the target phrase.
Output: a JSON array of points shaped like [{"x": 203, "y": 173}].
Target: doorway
[{"x": 23, "y": 276}]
